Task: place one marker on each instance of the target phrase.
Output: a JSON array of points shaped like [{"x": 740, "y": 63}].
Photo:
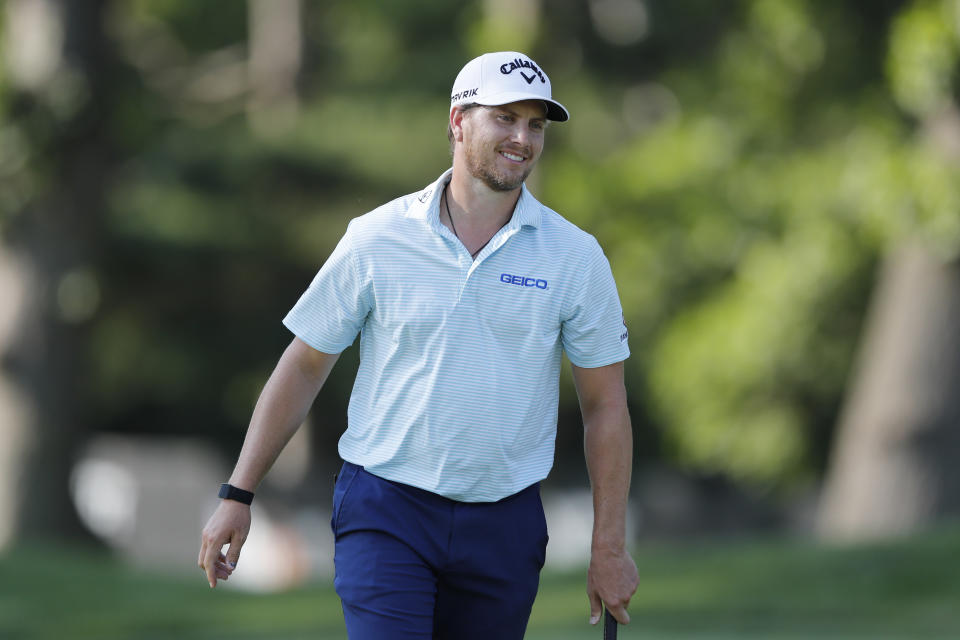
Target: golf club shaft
[{"x": 609, "y": 626}]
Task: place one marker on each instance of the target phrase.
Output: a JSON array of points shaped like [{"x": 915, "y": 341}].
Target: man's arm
[
  {"x": 608, "y": 445},
  {"x": 280, "y": 411}
]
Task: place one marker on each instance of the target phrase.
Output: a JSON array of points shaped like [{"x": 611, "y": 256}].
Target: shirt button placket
[{"x": 463, "y": 271}]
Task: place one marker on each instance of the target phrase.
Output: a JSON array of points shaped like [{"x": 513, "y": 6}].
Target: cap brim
[{"x": 555, "y": 111}]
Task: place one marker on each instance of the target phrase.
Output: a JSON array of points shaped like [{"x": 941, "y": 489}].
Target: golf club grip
[{"x": 609, "y": 626}]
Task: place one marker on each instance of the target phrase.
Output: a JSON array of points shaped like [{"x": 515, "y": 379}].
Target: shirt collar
[
  {"x": 426, "y": 204},
  {"x": 528, "y": 211}
]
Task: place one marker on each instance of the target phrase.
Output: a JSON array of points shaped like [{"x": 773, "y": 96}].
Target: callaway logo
[
  {"x": 520, "y": 63},
  {"x": 426, "y": 194}
]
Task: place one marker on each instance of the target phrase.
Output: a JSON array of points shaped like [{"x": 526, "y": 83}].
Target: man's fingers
[
  {"x": 209, "y": 560},
  {"x": 223, "y": 567},
  {"x": 233, "y": 553},
  {"x": 596, "y": 607},
  {"x": 620, "y": 613},
  {"x": 210, "y": 568}
]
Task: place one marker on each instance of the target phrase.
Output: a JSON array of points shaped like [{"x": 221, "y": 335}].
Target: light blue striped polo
[{"x": 460, "y": 359}]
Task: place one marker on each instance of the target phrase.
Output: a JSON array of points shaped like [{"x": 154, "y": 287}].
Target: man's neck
[{"x": 478, "y": 205}]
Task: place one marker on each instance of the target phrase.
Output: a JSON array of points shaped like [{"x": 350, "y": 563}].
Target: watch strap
[{"x": 230, "y": 492}]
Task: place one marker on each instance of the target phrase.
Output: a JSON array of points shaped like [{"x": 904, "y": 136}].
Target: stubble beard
[{"x": 495, "y": 180}]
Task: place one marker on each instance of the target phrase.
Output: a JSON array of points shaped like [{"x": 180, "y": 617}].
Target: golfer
[{"x": 465, "y": 295}]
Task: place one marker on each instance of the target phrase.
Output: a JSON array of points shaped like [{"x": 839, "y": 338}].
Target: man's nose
[{"x": 521, "y": 133}]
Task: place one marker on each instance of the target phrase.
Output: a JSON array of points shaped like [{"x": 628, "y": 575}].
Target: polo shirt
[{"x": 458, "y": 382}]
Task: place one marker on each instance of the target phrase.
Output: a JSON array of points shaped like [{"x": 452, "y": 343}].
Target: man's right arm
[{"x": 281, "y": 409}]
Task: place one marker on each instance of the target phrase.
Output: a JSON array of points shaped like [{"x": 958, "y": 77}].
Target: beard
[{"x": 484, "y": 170}]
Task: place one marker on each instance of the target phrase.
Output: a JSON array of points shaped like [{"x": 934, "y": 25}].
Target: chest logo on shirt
[{"x": 523, "y": 281}]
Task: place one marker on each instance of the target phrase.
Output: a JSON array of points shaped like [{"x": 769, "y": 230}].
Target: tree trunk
[
  {"x": 57, "y": 234},
  {"x": 894, "y": 468},
  {"x": 276, "y": 42}
]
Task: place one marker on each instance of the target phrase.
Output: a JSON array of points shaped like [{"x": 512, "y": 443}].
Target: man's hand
[
  {"x": 229, "y": 524},
  {"x": 611, "y": 580}
]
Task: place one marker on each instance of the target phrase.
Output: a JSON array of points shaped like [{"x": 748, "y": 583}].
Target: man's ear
[{"x": 457, "y": 115}]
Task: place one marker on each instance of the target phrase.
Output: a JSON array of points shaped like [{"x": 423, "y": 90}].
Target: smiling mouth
[{"x": 512, "y": 156}]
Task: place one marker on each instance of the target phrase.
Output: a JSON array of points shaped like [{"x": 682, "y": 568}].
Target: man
[{"x": 465, "y": 295}]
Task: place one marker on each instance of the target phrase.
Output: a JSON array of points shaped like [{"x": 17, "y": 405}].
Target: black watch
[{"x": 230, "y": 492}]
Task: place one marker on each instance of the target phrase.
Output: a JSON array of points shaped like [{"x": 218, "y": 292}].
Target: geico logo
[{"x": 523, "y": 281}]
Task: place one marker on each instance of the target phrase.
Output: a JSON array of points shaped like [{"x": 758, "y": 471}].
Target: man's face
[{"x": 501, "y": 145}]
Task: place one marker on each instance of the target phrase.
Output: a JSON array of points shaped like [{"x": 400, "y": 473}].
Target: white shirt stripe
[{"x": 457, "y": 388}]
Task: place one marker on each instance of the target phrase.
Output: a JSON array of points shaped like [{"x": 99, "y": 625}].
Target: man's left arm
[{"x": 608, "y": 446}]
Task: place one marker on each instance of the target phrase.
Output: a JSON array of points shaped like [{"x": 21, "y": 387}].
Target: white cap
[{"x": 504, "y": 77}]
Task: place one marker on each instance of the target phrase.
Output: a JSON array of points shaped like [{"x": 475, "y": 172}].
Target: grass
[{"x": 767, "y": 589}]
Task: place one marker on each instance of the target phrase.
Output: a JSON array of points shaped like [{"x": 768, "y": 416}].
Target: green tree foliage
[
  {"x": 744, "y": 225},
  {"x": 745, "y": 167}
]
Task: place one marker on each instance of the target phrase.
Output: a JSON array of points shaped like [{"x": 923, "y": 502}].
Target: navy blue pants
[{"x": 412, "y": 564}]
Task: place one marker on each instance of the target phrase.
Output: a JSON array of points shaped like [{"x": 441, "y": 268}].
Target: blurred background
[{"x": 775, "y": 183}]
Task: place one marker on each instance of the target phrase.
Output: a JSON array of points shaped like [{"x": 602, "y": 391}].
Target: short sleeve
[
  {"x": 333, "y": 309},
  {"x": 593, "y": 331}
]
